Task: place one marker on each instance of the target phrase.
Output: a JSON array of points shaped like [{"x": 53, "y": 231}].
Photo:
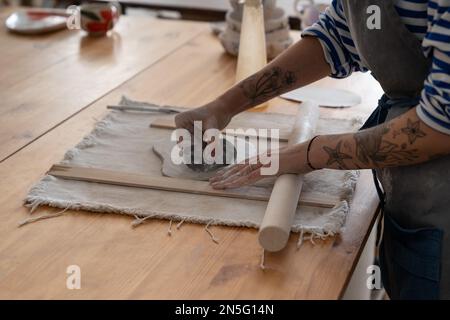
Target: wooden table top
[{"x": 54, "y": 87}]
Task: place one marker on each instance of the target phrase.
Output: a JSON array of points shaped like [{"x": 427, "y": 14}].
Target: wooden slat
[
  {"x": 169, "y": 123},
  {"x": 176, "y": 185}
]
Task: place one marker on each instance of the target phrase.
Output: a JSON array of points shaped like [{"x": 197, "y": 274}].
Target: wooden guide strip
[
  {"x": 175, "y": 185},
  {"x": 168, "y": 123}
]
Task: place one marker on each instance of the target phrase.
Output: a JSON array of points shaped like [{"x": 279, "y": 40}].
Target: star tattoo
[
  {"x": 395, "y": 133},
  {"x": 412, "y": 130},
  {"x": 335, "y": 155}
]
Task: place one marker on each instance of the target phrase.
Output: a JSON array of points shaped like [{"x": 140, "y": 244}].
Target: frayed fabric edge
[
  {"x": 33, "y": 202},
  {"x": 140, "y": 215},
  {"x": 337, "y": 215}
]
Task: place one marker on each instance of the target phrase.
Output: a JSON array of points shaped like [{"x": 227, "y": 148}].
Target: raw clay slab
[{"x": 163, "y": 149}]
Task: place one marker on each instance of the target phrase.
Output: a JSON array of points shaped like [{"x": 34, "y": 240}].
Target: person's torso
[
  {"x": 416, "y": 195},
  {"x": 389, "y": 50}
]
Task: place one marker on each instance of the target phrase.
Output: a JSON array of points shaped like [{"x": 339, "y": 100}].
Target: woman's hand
[
  {"x": 213, "y": 115},
  {"x": 290, "y": 159}
]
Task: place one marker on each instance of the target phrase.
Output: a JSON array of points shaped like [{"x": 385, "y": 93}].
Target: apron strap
[{"x": 377, "y": 117}]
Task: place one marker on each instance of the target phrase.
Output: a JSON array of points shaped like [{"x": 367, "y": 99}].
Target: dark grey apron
[{"x": 415, "y": 251}]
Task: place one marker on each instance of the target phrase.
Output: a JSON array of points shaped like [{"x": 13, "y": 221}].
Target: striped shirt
[{"x": 429, "y": 20}]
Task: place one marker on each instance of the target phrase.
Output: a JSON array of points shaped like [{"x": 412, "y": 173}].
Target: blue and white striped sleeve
[
  {"x": 434, "y": 107},
  {"x": 333, "y": 33}
]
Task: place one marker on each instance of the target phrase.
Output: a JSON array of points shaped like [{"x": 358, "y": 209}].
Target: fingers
[
  {"x": 237, "y": 176},
  {"x": 226, "y": 173},
  {"x": 239, "y": 168},
  {"x": 183, "y": 121},
  {"x": 237, "y": 180}
]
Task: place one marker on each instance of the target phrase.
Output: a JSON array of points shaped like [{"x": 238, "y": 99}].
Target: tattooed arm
[
  {"x": 298, "y": 66},
  {"x": 403, "y": 141},
  {"x": 301, "y": 64}
]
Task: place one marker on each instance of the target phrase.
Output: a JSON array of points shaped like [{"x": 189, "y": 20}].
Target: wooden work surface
[{"x": 54, "y": 87}]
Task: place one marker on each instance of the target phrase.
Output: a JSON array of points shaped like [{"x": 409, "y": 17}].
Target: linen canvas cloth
[{"x": 122, "y": 141}]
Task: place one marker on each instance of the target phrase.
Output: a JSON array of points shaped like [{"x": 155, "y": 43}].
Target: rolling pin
[
  {"x": 252, "y": 55},
  {"x": 277, "y": 222}
]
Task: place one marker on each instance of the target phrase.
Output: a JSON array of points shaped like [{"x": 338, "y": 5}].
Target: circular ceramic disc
[
  {"x": 325, "y": 97},
  {"x": 35, "y": 22}
]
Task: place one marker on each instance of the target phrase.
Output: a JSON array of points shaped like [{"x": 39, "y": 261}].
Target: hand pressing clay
[
  {"x": 209, "y": 162},
  {"x": 235, "y": 150}
]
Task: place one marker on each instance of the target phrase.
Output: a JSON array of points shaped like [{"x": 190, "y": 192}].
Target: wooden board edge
[
  {"x": 172, "y": 184},
  {"x": 163, "y": 123}
]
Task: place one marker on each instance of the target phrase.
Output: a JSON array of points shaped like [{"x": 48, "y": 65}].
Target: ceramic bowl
[
  {"x": 276, "y": 41},
  {"x": 274, "y": 19},
  {"x": 238, "y": 7},
  {"x": 35, "y": 21}
]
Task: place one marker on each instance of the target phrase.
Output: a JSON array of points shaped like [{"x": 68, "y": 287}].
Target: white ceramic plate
[
  {"x": 325, "y": 97},
  {"x": 36, "y": 21}
]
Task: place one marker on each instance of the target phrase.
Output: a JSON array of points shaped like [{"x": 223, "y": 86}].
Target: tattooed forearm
[
  {"x": 299, "y": 65},
  {"x": 405, "y": 140},
  {"x": 412, "y": 130},
  {"x": 373, "y": 149},
  {"x": 267, "y": 85},
  {"x": 336, "y": 156}
]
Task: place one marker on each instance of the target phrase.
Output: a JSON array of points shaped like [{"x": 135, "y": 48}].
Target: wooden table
[{"x": 53, "y": 88}]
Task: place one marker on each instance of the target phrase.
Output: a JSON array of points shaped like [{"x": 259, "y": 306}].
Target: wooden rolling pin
[
  {"x": 276, "y": 225},
  {"x": 252, "y": 55}
]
